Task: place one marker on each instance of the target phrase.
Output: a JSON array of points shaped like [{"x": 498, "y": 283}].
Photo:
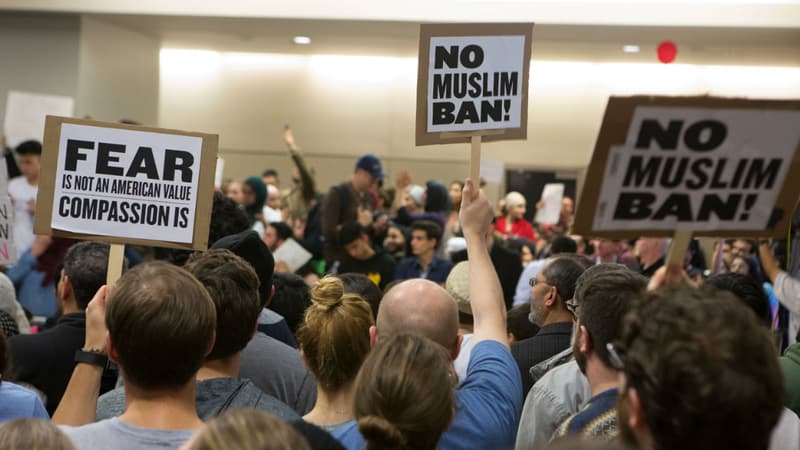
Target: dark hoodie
[{"x": 437, "y": 206}]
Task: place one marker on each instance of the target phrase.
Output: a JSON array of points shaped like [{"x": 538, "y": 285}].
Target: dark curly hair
[{"x": 705, "y": 370}]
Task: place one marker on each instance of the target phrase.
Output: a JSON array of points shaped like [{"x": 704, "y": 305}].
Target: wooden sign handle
[
  {"x": 475, "y": 163},
  {"x": 676, "y": 255},
  {"x": 116, "y": 255}
]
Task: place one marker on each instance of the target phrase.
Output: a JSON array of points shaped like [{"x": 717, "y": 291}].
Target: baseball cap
[{"x": 371, "y": 164}]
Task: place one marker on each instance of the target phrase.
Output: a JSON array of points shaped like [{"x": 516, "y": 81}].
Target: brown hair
[
  {"x": 233, "y": 286},
  {"x": 161, "y": 321},
  {"x": 26, "y": 434},
  {"x": 702, "y": 365},
  {"x": 248, "y": 429},
  {"x": 404, "y": 394},
  {"x": 335, "y": 334}
]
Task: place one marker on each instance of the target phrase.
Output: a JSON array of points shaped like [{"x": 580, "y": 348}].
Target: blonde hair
[
  {"x": 335, "y": 334},
  {"x": 248, "y": 429},
  {"x": 404, "y": 394},
  {"x": 26, "y": 434}
]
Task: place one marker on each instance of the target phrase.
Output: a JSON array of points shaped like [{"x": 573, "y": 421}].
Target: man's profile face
[
  {"x": 358, "y": 249},
  {"x": 270, "y": 238},
  {"x": 420, "y": 243},
  {"x": 538, "y": 293}
]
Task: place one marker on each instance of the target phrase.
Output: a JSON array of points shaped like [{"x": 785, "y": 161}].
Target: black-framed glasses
[{"x": 533, "y": 282}]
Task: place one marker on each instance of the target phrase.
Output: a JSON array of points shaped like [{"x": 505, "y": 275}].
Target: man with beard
[
  {"x": 600, "y": 304},
  {"x": 550, "y": 289},
  {"x": 700, "y": 372}
]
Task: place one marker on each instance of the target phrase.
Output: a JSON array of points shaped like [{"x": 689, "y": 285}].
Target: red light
[{"x": 667, "y": 51}]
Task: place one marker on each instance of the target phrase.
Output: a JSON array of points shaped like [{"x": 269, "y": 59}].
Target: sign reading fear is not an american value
[
  {"x": 129, "y": 183},
  {"x": 718, "y": 167},
  {"x": 473, "y": 78}
]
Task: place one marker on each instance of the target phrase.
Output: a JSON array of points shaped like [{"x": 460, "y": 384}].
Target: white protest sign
[
  {"x": 701, "y": 168},
  {"x": 8, "y": 251},
  {"x": 474, "y": 83},
  {"x": 293, "y": 254},
  {"x": 473, "y": 77},
  {"x": 26, "y": 112},
  {"x": 552, "y": 195},
  {"x": 131, "y": 183}
]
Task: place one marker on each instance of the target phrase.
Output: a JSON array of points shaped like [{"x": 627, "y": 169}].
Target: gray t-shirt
[
  {"x": 279, "y": 370},
  {"x": 213, "y": 396},
  {"x": 116, "y": 434}
]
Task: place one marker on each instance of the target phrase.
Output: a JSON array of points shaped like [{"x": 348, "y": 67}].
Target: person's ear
[
  {"x": 111, "y": 350},
  {"x": 373, "y": 336},
  {"x": 584, "y": 340},
  {"x": 636, "y": 419},
  {"x": 456, "y": 349},
  {"x": 66, "y": 287},
  {"x": 269, "y": 298},
  {"x": 550, "y": 297}
]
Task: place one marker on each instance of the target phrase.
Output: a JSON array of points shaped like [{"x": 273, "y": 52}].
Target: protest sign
[
  {"x": 552, "y": 196},
  {"x": 25, "y": 113},
  {"x": 8, "y": 252},
  {"x": 709, "y": 166},
  {"x": 126, "y": 184},
  {"x": 473, "y": 78}
]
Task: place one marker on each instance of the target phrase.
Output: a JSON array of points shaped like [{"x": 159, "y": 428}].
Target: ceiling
[{"x": 697, "y": 45}]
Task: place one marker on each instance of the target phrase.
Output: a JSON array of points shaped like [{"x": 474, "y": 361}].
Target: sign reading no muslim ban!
[
  {"x": 126, "y": 184},
  {"x": 712, "y": 166},
  {"x": 473, "y": 78}
]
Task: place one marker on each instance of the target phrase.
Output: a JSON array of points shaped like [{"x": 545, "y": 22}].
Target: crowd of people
[{"x": 421, "y": 317}]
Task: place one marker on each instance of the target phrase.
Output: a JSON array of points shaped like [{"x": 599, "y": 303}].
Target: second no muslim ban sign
[
  {"x": 129, "y": 184},
  {"x": 716, "y": 167},
  {"x": 473, "y": 77}
]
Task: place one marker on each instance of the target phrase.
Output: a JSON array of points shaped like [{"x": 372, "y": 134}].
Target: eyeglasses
[
  {"x": 614, "y": 358},
  {"x": 572, "y": 307},
  {"x": 533, "y": 282}
]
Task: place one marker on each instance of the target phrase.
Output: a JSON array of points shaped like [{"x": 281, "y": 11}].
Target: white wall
[
  {"x": 341, "y": 107},
  {"x": 117, "y": 74},
  {"x": 38, "y": 53}
]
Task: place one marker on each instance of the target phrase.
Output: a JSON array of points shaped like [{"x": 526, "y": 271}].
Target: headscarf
[
  {"x": 260, "y": 191},
  {"x": 9, "y": 304}
]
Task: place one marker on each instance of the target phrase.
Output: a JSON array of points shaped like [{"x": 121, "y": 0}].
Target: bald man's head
[{"x": 419, "y": 306}]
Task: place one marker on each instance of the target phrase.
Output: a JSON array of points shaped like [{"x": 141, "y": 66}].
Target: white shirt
[{"x": 22, "y": 193}]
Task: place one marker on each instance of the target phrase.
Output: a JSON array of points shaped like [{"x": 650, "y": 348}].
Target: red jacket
[{"x": 521, "y": 228}]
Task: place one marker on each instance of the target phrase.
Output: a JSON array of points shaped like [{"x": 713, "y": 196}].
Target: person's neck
[
  {"x": 425, "y": 259},
  {"x": 649, "y": 260},
  {"x": 33, "y": 181},
  {"x": 220, "y": 368},
  {"x": 332, "y": 407},
  {"x": 369, "y": 253},
  {"x": 557, "y": 316},
  {"x": 168, "y": 409},
  {"x": 608, "y": 259},
  {"x": 69, "y": 307},
  {"x": 601, "y": 378}
]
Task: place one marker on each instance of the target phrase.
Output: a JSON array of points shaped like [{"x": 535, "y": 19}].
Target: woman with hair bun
[
  {"x": 334, "y": 341},
  {"x": 404, "y": 396}
]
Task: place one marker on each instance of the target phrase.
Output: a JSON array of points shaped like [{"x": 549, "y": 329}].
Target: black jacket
[
  {"x": 46, "y": 359},
  {"x": 550, "y": 340}
]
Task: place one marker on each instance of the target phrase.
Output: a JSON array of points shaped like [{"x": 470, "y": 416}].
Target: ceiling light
[
  {"x": 302, "y": 40},
  {"x": 630, "y": 48}
]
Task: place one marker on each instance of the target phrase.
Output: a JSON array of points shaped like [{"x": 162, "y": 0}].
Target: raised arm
[
  {"x": 486, "y": 295},
  {"x": 78, "y": 406}
]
